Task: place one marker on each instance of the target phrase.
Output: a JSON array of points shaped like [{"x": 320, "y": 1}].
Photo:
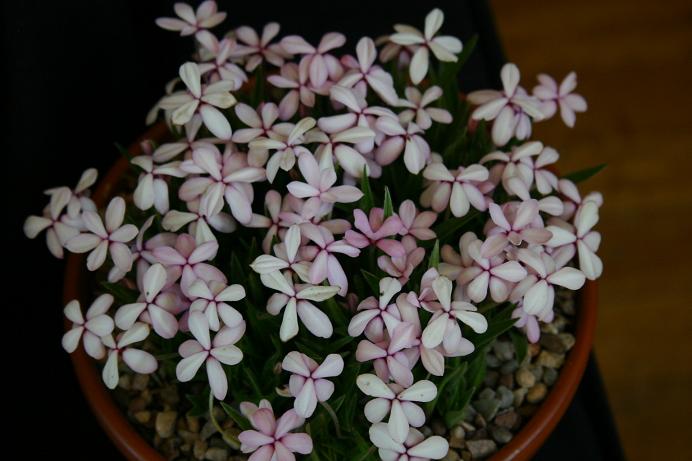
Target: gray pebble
[
  {"x": 504, "y": 350},
  {"x": 456, "y": 437},
  {"x": 501, "y": 434},
  {"x": 553, "y": 343},
  {"x": 509, "y": 367},
  {"x": 492, "y": 361},
  {"x": 491, "y": 377},
  {"x": 481, "y": 448},
  {"x": 550, "y": 376},
  {"x": 486, "y": 394},
  {"x": 216, "y": 454},
  {"x": 505, "y": 397},
  {"x": 487, "y": 407},
  {"x": 508, "y": 419}
]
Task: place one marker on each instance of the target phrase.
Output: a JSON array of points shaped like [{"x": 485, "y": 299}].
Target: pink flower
[
  {"x": 295, "y": 78},
  {"x": 286, "y": 148},
  {"x": 399, "y": 139},
  {"x": 228, "y": 176},
  {"x": 168, "y": 151},
  {"x": 273, "y": 204},
  {"x": 202, "y": 350},
  {"x": 552, "y": 97},
  {"x": 261, "y": 124},
  {"x": 374, "y": 315},
  {"x": 518, "y": 169},
  {"x": 402, "y": 267},
  {"x": 445, "y": 48},
  {"x": 255, "y": 49},
  {"x": 416, "y": 223},
  {"x": 190, "y": 21},
  {"x": 295, "y": 301},
  {"x": 80, "y": 199},
  {"x": 458, "y": 189},
  {"x": 152, "y": 188},
  {"x": 151, "y": 304},
  {"x": 573, "y": 198},
  {"x": 212, "y": 300},
  {"x": 397, "y": 402},
  {"x": 433, "y": 360},
  {"x": 307, "y": 383},
  {"x": 528, "y": 323},
  {"x": 526, "y": 226},
  {"x": 325, "y": 265},
  {"x": 507, "y": 107},
  {"x": 417, "y": 110},
  {"x": 103, "y": 240},
  {"x": 57, "y": 232},
  {"x": 364, "y": 73},
  {"x": 443, "y": 327},
  {"x": 342, "y": 145},
  {"x": 286, "y": 256},
  {"x": 374, "y": 230},
  {"x": 415, "y": 448},
  {"x": 389, "y": 357},
  {"x": 186, "y": 260},
  {"x": 96, "y": 325},
  {"x": 272, "y": 439},
  {"x": 200, "y": 221},
  {"x": 202, "y": 99},
  {"x": 216, "y": 65},
  {"x": 320, "y": 64},
  {"x": 139, "y": 361},
  {"x": 537, "y": 290},
  {"x": 320, "y": 183}
]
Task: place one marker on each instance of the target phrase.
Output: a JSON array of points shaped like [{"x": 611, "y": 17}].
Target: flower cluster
[{"x": 316, "y": 223}]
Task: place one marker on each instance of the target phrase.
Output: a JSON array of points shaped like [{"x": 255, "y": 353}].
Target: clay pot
[{"x": 522, "y": 447}]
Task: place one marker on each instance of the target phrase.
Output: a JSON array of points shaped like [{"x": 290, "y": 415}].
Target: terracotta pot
[{"x": 522, "y": 447}]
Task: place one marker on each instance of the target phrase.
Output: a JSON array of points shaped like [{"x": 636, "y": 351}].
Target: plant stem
[
  {"x": 332, "y": 414},
  {"x": 232, "y": 441}
]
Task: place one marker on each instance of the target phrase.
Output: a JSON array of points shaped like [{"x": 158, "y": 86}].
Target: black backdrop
[{"x": 80, "y": 76}]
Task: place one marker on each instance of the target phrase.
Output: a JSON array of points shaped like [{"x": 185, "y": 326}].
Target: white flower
[
  {"x": 307, "y": 383},
  {"x": 212, "y": 298},
  {"x": 190, "y": 21},
  {"x": 415, "y": 448},
  {"x": 138, "y": 360},
  {"x": 417, "y": 110},
  {"x": 445, "y": 48},
  {"x": 91, "y": 330},
  {"x": 57, "y": 232},
  {"x": 552, "y": 97},
  {"x": 152, "y": 188},
  {"x": 103, "y": 240}
]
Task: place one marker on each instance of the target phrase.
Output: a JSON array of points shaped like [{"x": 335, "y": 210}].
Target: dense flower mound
[{"x": 336, "y": 236}]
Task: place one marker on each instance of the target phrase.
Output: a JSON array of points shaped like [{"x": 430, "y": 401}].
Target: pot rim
[{"x": 135, "y": 448}]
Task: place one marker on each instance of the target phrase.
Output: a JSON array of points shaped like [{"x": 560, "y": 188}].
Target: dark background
[{"x": 81, "y": 76}]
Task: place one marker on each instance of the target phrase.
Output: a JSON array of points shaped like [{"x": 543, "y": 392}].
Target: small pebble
[
  {"x": 216, "y": 454},
  {"x": 439, "y": 427},
  {"x": 456, "y": 437},
  {"x": 501, "y": 434},
  {"x": 537, "y": 371},
  {"x": 140, "y": 382},
  {"x": 507, "y": 380},
  {"x": 481, "y": 448},
  {"x": 125, "y": 382},
  {"x": 426, "y": 431},
  {"x": 192, "y": 423},
  {"x": 525, "y": 378},
  {"x": 486, "y": 394},
  {"x": 550, "y": 376},
  {"x": 468, "y": 427},
  {"x": 143, "y": 417},
  {"x": 492, "y": 361},
  {"x": 505, "y": 397},
  {"x": 533, "y": 350},
  {"x": 169, "y": 395},
  {"x": 165, "y": 423},
  {"x": 519, "y": 395},
  {"x": 207, "y": 430},
  {"x": 491, "y": 377},
  {"x": 452, "y": 455},
  {"x": 553, "y": 343},
  {"x": 479, "y": 421},
  {"x": 487, "y": 407},
  {"x": 508, "y": 419},
  {"x": 550, "y": 359},
  {"x": 536, "y": 393},
  {"x": 466, "y": 455},
  {"x": 509, "y": 367},
  {"x": 567, "y": 339},
  {"x": 504, "y": 350}
]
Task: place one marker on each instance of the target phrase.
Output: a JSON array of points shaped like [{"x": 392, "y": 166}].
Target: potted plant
[{"x": 336, "y": 257}]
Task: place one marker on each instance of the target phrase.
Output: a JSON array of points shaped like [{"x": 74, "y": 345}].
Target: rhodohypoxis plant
[{"x": 328, "y": 233}]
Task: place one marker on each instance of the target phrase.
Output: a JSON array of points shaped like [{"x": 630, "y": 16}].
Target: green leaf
[
  {"x": 236, "y": 416},
  {"x": 451, "y": 227},
  {"x": 521, "y": 345},
  {"x": 435, "y": 255},
  {"x": 200, "y": 404},
  {"x": 367, "y": 201},
  {"x": 388, "y": 207},
  {"x": 372, "y": 280},
  {"x": 121, "y": 293},
  {"x": 583, "y": 175}
]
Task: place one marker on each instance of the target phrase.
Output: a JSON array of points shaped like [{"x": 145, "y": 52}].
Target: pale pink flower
[
  {"x": 286, "y": 148},
  {"x": 168, "y": 151},
  {"x": 443, "y": 327},
  {"x": 90, "y": 330},
  {"x": 397, "y": 402},
  {"x": 363, "y": 72},
  {"x": 273, "y": 204},
  {"x": 200, "y": 221},
  {"x": 417, "y": 111},
  {"x": 445, "y": 47},
  {"x": 203, "y": 99},
  {"x": 202, "y": 350},
  {"x": 226, "y": 177},
  {"x": 212, "y": 298},
  {"x": 325, "y": 265},
  {"x": 457, "y": 189},
  {"x": 433, "y": 359},
  {"x": 518, "y": 170},
  {"x": 139, "y": 361},
  {"x": 255, "y": 49},
  {"x": 186, "y": 261},
  {"x": 415, "y": 448},
  {"x": 101, "y": 240},
  {"x": 402, "y": 267},
  {"x": 320, "y": 65},
  {"x": 320, "y": 183},
  {"x": 192, "y": 21},
  {"x": 515, "y": 223},
  {"x": 342, "y": 146},
  {"x": 218, "y": 67},
  {"x": 389, "y": 357},
  {"x": 416, "y": 223},
  {"x": 398, "y": 139},
  {"x": 375, "y": 230},
  {"x": 528, "y": 323},
  {"x": 286, "y": 256},
  {"x": 573, "y": 198},
  {"x": 506, "y": 107},
  {"x": 537, "y": 290},
  {"x": 492, "y": 274},
  {"x": 307, "y": 382},
  {"x": 295, "y": 78},
  {"x": 295, "y": 302},
  {"x": 152, "y": 308},
  {"x": 261, "y": 123},
  {"x": 152, "y": 187},
  {"x": 272, "y": 439},
  {"x": 57, "y": 232},
  {"x": 426, "y": 294},
  {"x": 298, "y": 211},
  {"x": 80, "y": 198},
  {"x": 376, "y": 314},
  {"x": 552, "y": 97}
]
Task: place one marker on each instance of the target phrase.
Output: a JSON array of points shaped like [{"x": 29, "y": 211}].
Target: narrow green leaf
[
  {"x": 435, "y": 255},
  {"x": 388, "y": 207},
  {"x": 372, "y": 280},
  {"x": 448, "y": 231},
  {"x": 521, "y": 345},
  {"x": 367, "y": 201},
  {"x": 583, "y": 175},
  {"x": 236, "y": 416}
]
